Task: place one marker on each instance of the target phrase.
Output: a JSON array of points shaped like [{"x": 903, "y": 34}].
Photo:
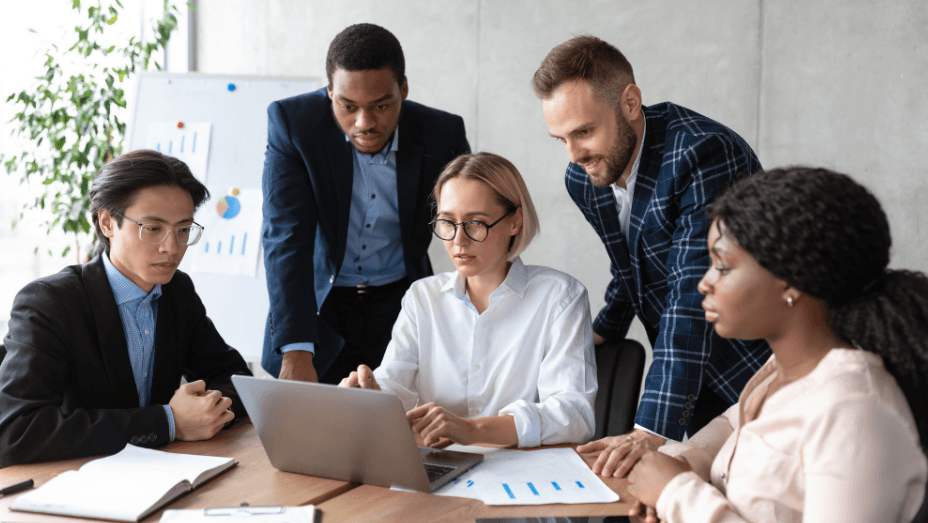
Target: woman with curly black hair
[{"x": 829, "y": 428}]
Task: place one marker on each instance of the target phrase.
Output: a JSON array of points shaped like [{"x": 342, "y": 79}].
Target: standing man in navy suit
[
  {"x": 643, "y": 177},
  {"x": 347, "y": 177}
]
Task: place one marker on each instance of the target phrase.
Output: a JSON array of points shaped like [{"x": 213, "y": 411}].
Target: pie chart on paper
[{"x": 228, "y": 207}]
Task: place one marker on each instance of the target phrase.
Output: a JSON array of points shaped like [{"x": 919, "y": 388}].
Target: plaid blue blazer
[{"x": 687, "y": 159}]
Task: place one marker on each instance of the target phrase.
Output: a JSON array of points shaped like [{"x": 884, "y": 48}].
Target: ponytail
[{"x": 890, "y": 319}]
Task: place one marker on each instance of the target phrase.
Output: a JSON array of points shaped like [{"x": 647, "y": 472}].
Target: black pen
[{"x": 13, "y": 489}]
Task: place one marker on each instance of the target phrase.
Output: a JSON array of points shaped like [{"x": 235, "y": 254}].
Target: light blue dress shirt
[
  {"x": 138, "y": 311},
  {"x": 373, "y": 252}
]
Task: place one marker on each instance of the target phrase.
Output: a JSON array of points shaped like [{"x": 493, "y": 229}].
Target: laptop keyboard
[{"x": 436, "y": 471}]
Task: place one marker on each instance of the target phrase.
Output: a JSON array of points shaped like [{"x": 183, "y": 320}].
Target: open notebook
[{"x": 127, "y": 486}]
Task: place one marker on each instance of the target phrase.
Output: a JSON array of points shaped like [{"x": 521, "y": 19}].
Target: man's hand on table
[
  {"x": 298, "y": 366},
  {"x": 199, "y": 413},
  {"x": 620, "y": 453}
]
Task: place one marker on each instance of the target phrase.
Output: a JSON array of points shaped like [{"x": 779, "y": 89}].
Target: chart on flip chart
[{"x": 217, "y": 124}]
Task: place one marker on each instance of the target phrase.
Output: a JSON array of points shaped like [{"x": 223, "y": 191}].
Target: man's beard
[{"x": 619, "y": 154}]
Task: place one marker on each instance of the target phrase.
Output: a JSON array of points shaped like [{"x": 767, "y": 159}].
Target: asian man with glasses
[{"x": 95, "y": 353}]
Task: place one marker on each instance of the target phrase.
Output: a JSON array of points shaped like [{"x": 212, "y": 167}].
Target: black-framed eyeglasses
[
  {"x": 154, "y": 234},
  {"x": 474, "y": 229}
]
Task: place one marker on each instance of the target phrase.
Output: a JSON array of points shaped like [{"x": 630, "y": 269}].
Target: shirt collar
[
  {"x": 393, "y": 147},
  {"x": 124, "y": 290},
  {"x": 634, "y": 174},
  {"x": 515, "y": 281}
]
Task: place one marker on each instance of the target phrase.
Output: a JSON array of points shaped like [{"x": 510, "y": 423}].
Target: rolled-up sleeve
[
  {"x": 566, "y": 382},
  {"x": 399, "y": 369}
]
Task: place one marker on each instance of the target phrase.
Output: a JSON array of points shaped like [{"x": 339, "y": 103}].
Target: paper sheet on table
[
  {"x": 538, "y": 477},
  {"x": 231, "y": 242},
  {"x": 305, "y": 514},
  {"x": 189, "y": 143}
]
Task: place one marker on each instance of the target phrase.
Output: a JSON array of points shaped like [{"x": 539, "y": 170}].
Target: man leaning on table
[
  {"x": 643, "y": 177},
  {"x": 95, "y": 353},
  {"x": 347, "y": 177}
]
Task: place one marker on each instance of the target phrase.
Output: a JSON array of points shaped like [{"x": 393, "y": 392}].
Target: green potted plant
[{"x": 75, "y": 121}]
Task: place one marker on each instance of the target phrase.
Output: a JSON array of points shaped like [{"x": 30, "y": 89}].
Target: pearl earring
[{"x": 789, "y": 301}]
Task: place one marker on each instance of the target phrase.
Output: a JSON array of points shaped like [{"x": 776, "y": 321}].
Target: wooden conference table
[{"x": 256, "y": 482}]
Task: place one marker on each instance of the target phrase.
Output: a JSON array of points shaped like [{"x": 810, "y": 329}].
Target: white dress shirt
[
  {"x": 528, "y": 355},
  {"x": 837, "y": 445}
]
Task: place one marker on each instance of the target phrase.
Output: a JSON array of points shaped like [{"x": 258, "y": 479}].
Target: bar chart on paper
[
  {"x": 540, "y": 477},
  {"x": 231, "y": 238}
]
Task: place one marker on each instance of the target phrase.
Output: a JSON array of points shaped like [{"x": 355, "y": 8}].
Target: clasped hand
[{"x": 199, "y": 413}]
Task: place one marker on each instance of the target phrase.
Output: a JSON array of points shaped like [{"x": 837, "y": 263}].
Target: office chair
[{"x": 619, "y": 368}]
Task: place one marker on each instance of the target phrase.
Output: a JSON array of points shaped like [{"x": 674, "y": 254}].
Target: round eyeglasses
[
  {"x": 154, "y": 234},
  {"x": 474, "y": 229}
]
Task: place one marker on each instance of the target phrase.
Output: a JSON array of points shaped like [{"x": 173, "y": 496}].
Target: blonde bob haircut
[{"x": 503, "y": 177}]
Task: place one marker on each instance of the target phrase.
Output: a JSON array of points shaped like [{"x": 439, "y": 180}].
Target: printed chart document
[
  {"x": 186, "y": 141},
  {"x": 231, "y": 242},
  {"x": 126, "y": 486},
  {"x": 538, "y": 477}
]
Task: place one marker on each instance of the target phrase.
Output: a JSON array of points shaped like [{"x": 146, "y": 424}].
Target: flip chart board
[{"x": 218, "y": 125}]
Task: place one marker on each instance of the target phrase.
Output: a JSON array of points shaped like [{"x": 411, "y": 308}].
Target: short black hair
[
  {"x": 119, "y": 181},
  {"x": 362, "y": 47}
]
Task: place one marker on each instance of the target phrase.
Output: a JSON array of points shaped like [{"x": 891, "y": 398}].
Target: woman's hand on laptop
[{"x": 362, "y": 378}]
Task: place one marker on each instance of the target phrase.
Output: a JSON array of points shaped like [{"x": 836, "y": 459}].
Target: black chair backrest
[
  {"x": 619, "y": 369},
  {"x": 2, "y": 352}
]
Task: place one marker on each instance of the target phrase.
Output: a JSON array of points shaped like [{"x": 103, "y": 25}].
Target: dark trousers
[
  {"x": 364, "y": 318},
  {"x": 709, "y": 406}
]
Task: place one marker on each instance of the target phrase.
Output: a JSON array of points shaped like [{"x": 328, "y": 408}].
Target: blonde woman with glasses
[{"x": 497, "y": 351}]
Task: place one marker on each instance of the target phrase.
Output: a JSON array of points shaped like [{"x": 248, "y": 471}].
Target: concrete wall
[{"x": 838, "y": 85}]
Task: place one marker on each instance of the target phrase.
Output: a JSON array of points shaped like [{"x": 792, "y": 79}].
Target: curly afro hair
[
  {"x": 827, "y": 236},
  {"x": 363, "y": 47}
]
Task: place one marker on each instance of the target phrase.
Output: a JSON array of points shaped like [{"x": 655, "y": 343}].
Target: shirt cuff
[
  {"x": 170, "y": 413},
  {"x": 528, "y": 423},
  {"x": 649, "y": 431},
  {"x": 304, "y": 346},
  {"x": 668, "y": 503}
]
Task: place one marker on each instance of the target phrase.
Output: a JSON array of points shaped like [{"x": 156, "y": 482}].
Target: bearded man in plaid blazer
[{"x": 643, "y": 177}]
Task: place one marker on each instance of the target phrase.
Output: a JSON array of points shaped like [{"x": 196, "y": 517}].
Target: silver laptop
[{"x": 349, "y": 434}]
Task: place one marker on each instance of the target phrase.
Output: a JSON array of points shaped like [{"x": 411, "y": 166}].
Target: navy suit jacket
[
  {"x": 308, "y": 173},
  {"x": 66, "y": 384},
  {"x": 686, "y": 161}
]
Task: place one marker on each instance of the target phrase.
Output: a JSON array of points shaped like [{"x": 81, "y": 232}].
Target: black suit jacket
[
  {"x": 308, "y": 174},
  {"x": 66, "y": 384}
]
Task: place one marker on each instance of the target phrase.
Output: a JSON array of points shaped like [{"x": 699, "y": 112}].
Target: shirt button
[
  {"x": 368, "y": 226},
  {"x": 691, "y": 397},
  {"x": 146, "y": 332},
  {"x": 331, "y": 279},
  {"x": 477, "y": 367},
  {"x": 682, "y": 421},
  {"x": 363, "y": 247},
  {"x": 373, "y": 196}
]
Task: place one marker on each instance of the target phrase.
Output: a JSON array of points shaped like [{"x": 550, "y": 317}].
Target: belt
[{"x": 372, "y": 290}]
